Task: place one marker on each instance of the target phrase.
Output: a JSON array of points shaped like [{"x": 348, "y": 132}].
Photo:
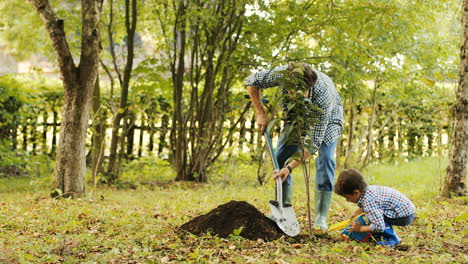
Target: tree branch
[
  {"x": 91, "y": 40},
  {"x": 55, "y": 27}
]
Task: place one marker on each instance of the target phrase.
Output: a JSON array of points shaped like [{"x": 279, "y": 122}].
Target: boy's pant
[
  {"x": 324, "y": 165},
  {"x": 386, "y": 238},
  {"x": 402, "y": 221}
]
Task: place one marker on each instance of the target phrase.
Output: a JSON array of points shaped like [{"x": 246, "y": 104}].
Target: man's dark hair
[
  {"x": 308, "y": 76},
  {"x": 348, "y": 181}
]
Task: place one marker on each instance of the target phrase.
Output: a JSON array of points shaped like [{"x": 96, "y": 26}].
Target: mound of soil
[{"x": 224, "y": 219}]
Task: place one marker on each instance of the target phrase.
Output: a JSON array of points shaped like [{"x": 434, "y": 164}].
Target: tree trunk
[
  {"x": 53, "y": 148},
  {"x": 14, "y": 134},
  {"x": 34, "y": 135},
  {"x": 130, "y": 135},
  {"x": 130, "y": 25},
  {"x": 140, "y": 139},
  {"x": 178, "y": 136},
  {"x": 24, "y": 131},
  {"x": 44, "y": 132},
  {"x": 349, "y": 144},
  {"x": 78, "y": 83},
  {"x": 391, "y": 139},
  {"x": 99, "y": 132},
  {"x": 370, "y": 137},
  {"x": 151, "y": 137},
  {"x": 454, "y": 183},
  {"x": 401, "y": 139},
  {"x": 242, "y": 130},
  {"x": 162, "y": 134}
]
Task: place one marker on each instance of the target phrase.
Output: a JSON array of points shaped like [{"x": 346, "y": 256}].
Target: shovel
[
  {"x": 282, "y": 214},
  {"x": 342, "y": 225}
]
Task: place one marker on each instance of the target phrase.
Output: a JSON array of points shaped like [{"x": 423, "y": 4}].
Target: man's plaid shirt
[
  {"x": 323, "y": 95},
  {"x": 377, "y": 201}
]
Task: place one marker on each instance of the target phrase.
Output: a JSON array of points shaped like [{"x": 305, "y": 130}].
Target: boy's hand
[{"x": 355, "y": 226}]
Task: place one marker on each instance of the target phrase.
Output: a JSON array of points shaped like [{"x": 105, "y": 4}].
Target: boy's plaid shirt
[
  {"x": 377, "y": 201},
  {"x": 324, "y": 95}
]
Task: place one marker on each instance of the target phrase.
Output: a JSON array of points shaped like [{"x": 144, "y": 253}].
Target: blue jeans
[
  {"x": 402, "y": 221},
  {"x": 324, "y": 165}
]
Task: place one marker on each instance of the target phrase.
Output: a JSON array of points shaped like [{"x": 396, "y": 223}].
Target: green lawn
[{"x": 141, "y": 225}]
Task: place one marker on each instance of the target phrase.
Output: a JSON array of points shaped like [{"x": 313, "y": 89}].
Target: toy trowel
[{"x": 282, "y": 214}]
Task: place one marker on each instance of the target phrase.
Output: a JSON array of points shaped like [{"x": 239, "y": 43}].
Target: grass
[{"x": 140, "y": 225}]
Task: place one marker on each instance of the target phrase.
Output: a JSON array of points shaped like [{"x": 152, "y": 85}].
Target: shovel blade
[{"x": 285, "y": 220}]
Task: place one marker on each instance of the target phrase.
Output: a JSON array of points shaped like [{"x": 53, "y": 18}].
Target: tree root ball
[{"x": 224, "y": 219}]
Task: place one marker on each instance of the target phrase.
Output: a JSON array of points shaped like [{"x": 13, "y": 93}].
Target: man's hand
[
  {"x": 262, "y": 122},
  {"x": 283, "y": 173}
]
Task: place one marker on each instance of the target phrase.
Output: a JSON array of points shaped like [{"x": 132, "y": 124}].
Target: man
[{"x": 326, "y": 133}]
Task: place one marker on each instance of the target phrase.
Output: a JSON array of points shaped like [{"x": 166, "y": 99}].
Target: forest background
[{"x": 170, "y": 134}]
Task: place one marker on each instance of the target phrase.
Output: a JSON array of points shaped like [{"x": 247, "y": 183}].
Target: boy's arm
[
  {"x": 374, "y": 216},
  {"x": 357, "y": 227}
]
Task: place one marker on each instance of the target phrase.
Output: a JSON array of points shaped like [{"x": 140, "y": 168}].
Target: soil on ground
[{"x": 224, "y": 219}]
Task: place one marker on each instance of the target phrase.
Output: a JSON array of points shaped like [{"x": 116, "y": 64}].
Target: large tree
[
  {"x": 78, "y": 83},
  {"x": 456, "y": 171}
]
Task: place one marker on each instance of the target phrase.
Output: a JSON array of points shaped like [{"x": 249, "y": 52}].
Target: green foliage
[
  {"x": 236, "y": 234},
  {"x": 20, "y": 99},
  {"x": 23, "y": 32},
  {"x": 147, "y": 171},
  {"x": 301, "y": 114}
]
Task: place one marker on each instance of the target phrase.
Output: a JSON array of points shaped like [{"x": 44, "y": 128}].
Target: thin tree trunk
[
  {"x": 53, "y": 148},
  {"x": 34, "y": 136},
  {"x": 454, "y": 183},
  {"x": 14, "y": 134},
  {"x": 130, "y": 135},
  {"x": 44, "y": 133},
  {"x": 99, "y": 128},
  {"x": 178, "y": 137},
  {"x": 370, "y": 137},
  {"x": 151, "y": 137},
  {"x": 391, "y": 141},
  {"x": 140, "y": 139},
  {"x": 24, "y": 131},
  {"x": 130, "y": 25},
  {"x": 401, "y": 139},
  {"x": 349, "y": 144},
  {"x": 162, "y": 134}
]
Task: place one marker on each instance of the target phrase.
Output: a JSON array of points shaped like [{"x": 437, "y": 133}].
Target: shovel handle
[{"x": 279, "y": 183}]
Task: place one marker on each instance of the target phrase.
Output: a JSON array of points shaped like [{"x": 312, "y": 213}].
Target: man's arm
[
  {"x": 284, "y": 172},
  {"x": 257, "y": 81},
  {"x": 261, "y": 117}
]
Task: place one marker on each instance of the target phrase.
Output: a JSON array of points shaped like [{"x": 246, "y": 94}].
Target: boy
[{"x": 382, "y": 205}]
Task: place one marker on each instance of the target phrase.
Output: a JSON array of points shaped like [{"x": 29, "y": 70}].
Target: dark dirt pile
[{"x": 224, "y": 219}]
